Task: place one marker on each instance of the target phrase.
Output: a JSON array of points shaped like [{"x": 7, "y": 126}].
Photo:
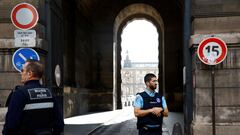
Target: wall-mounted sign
[
  {"x": 58, "y": 75},
  {"x": 22, "y": 55},
  {"x": 212, "y": 51},
  {"x": 24, "y": 16}
]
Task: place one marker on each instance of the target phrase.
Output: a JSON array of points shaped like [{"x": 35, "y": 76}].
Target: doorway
[{"x": 139, "y": 56}]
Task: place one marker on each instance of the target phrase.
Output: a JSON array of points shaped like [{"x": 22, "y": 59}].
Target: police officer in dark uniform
[
  {"x": 150, "y": 108},
  {"x": 32, "y": 109}
]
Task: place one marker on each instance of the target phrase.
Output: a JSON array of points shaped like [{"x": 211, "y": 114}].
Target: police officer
[
  {"x": 32, "y": 109},
  {"x": 150, "y": 108}
]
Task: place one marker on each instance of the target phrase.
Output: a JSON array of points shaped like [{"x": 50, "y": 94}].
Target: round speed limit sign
[{"x": 212, "y": 51}]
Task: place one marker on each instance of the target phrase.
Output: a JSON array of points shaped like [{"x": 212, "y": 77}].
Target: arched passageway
[
  {"x": 82, "y": 37},
  {"x": 139, "y": 56},
  {"x": 126, "y": 15},
  {"x": 167, "y": 86},
  {"x": 92, "y": 51}
]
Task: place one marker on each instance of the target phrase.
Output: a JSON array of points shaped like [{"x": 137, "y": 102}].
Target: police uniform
[
  {"x": 33, "y": 110},
  {"x": 149, "y": 124}
]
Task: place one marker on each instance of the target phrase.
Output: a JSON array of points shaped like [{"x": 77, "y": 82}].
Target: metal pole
[
  {"x": 213, "y": 100},
  {"x": 187, "y": 63},
  {"x": 48, "y": 67}
]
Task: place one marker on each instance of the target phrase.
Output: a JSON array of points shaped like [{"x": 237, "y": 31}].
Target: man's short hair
[
  {"x": 148, "y": 77},
  {"x": 35, "y": 67}
]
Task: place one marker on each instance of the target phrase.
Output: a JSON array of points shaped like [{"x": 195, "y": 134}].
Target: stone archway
[{"x": 131, "y": 12}]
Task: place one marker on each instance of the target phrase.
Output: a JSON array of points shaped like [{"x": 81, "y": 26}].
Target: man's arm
[
  {"x": 155, "y": 110},
  {"x": 165, "y": 109},
  {"x": 140, "y": 113},
  {"x": 165, "y": 112},
  {"x": 16, "y": 105},
  {"x": 58, "y": 118},
  {"x": 10, "y": 95},
  {"x": 138, "y": 104}
]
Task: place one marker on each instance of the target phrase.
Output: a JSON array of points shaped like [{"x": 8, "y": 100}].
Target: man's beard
[
  {"x": 25, "y": 79},
  {"x": 152, "y": 87}
]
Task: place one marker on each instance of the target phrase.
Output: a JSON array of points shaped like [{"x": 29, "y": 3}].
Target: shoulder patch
[
  {"x": 39, "y": 93},
  {"x": 158, "y": 100}
]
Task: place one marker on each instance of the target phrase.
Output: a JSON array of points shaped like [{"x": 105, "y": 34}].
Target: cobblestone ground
[
  {"x": 119, "y": 122},
  {"x": 125, "y": 124},
  {"x": 124, "y": 128}
]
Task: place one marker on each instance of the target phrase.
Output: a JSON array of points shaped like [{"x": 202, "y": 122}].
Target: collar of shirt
[
  {"x": 150, "y": 92},
  {"x": 32, "y": 82}
]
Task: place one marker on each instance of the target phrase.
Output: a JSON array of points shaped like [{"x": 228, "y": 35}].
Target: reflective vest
[{"x": 148, "y": 103}]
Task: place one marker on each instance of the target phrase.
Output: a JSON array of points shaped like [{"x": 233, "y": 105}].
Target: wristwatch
[{"x": 162, "y": 111}]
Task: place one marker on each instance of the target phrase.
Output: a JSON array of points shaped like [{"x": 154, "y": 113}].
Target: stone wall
[
  {"x": 227, "y": 89},
  {"x": 75, "y": 101},
  {"x": 79, "y": 101},
  {"x": 215, "y": 8},
  {"x": 218, "y": 19},
  {"x": 9, "y": 77}
]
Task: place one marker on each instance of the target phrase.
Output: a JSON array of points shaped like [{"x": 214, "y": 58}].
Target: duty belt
[{"x": 151, "y": 128}]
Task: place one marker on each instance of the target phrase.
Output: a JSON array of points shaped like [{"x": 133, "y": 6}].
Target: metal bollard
[{"x": 177, "y": 129}]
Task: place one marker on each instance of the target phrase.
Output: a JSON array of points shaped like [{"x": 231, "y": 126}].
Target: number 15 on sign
[{"x": 212, "y": 51}]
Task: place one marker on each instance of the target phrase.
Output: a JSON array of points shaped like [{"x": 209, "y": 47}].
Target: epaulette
[{"x": 17, "y": 87}]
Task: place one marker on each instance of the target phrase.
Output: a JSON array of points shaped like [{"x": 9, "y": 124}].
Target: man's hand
[{"x": 157, "y": 111}]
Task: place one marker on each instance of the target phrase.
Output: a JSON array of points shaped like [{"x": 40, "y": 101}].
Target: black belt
[{"x": 151, "y": 128}]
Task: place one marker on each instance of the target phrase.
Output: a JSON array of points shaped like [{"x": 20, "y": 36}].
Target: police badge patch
[
  {"x": 158, "y": 100},
  {"x": 39, "y": 93}
]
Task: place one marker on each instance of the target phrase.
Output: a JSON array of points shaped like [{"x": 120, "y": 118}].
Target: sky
[{"x": 140, "y": 39}]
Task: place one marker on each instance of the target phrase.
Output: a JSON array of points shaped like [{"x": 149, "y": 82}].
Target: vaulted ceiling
[{"x": 91, "y": 8}]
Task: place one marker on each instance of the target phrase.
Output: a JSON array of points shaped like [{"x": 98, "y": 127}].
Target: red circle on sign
[
  {"x": 29, "y": 7},
  {"x": 219, "y": 42}
]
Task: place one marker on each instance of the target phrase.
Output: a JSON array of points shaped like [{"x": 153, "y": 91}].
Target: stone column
[{"x": 9, "y": 77}]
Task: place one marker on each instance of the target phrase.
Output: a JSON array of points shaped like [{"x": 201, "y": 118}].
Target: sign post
[
  {"x": 212, "y": 51},
  {"x": 213, "y": 98}
]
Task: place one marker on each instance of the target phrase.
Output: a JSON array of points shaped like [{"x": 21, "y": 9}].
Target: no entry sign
[
  {"x": 212, "y": 51},
  {"x": 24, "y": 16}
]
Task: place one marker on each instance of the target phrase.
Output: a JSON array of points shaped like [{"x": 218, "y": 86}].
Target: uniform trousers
[{"x": 144, "y": 131}]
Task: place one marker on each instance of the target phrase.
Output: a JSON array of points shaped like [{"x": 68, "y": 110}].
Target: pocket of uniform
[{"x": 43, "y": 132}]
